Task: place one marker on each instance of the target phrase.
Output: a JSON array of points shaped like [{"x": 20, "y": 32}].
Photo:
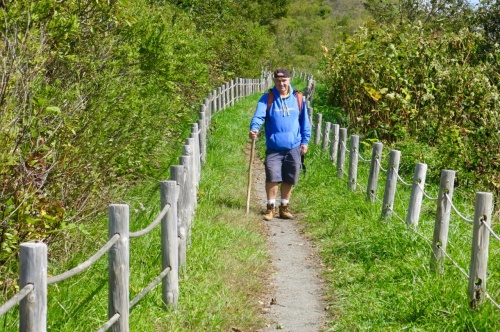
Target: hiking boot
[
  {"x": 269, "y": 212},
  {"x": 284, "y": 213}
]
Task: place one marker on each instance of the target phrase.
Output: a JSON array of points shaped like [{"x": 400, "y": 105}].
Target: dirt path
[{"x": 295, "y": 303}]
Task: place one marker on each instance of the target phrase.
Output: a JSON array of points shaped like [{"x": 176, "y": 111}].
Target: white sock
[
  {"x": 284, "y": 201},
  {"x": 271, "y": 201}
]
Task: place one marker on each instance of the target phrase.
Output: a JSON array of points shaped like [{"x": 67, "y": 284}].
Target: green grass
[
  {"x": 221, "y": 283},
  {"x": 378, "y": 271}
]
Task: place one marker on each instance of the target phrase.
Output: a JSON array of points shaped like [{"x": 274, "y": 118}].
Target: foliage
[
  {"x": 378, "y": 271},
  {"x": 90, "y": 91},
  {"x": 488, "y": 18},
  {"x": 455, "y": 14},
  {"x": 398, "y": 83},
  {"x": 309, "y": 25},
  {"x": 221, "y": 283},
  {"x": 236, "y": 31}
]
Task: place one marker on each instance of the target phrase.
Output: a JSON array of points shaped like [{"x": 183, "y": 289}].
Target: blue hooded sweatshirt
[{"x": 285, "y": 127}]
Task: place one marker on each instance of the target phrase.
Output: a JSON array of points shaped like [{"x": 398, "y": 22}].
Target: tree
[{"x": 488, "y": 16}]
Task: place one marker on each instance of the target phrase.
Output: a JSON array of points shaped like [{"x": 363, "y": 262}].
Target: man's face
[{"x": 282, "y": 84}]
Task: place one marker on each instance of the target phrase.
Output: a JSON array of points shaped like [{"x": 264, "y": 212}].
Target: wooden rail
[
  {"x": 483, "y": 205},
  {"x": 178, "y": 198}
]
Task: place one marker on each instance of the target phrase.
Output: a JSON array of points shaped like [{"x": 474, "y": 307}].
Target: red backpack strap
[
  {"x": 270, "y": 99},
  {"x": 298, "y": 95},
  {"x": 300, "y": 98}
]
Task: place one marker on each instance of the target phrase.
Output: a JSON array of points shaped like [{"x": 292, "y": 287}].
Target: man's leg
[
  {"x": 290, "y": 173},
  {"x": 286, "y": 190},
  {"x": 271, "y": 192}
]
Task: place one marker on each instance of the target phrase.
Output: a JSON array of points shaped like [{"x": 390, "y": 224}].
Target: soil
[{"x": 295, "y": 299}]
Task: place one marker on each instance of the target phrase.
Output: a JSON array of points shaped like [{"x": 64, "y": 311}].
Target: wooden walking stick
[{"x": 250, "y": 174}]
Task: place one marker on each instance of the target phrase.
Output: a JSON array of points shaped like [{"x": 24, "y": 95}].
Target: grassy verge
[
  {"x": 221, "y": 283},
  {"x": 377, "y": 270}
]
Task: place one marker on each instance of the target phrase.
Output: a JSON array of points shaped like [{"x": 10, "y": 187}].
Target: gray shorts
[{"x": 283, "y": 165}]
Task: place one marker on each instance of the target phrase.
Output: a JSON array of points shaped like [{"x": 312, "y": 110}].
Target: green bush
[
  {"x": 404, "y": 82},
  {"x": 91, "y": 90}
]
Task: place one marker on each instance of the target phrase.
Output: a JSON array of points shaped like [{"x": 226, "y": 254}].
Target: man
[{"x": 288, "y": 132}]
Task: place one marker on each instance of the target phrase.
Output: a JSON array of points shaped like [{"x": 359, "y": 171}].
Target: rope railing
[
  {"x": 151, "y": 226},
  {"x": 444, "y": 202},
  {"x": 363, "y": 159},
  {"x": 109, "y": 323},
  {"x": 425, "y": 194},
  {"x": 403, "y": 181},
  {"x": 495, "y": 235},
  {"x": 462, "y": 270},
  {"x": 147, "y": 289},
  {"x": 488, "y": 296},
  {"x": 178, "y": 198},
  {"x": 456, "y": 210},
  {"x": 83, "y": 266},
  {"x": 380, "y": 165},
  {"x": 16, "y": 299}
]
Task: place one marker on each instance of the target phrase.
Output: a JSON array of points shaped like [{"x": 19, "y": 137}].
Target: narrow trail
[{"x": 295, "y": 301}]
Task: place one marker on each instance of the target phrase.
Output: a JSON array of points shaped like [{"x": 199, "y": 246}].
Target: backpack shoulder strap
[
  {"x": 270, "y": 99},
  {"x": 300, "y": 98}
]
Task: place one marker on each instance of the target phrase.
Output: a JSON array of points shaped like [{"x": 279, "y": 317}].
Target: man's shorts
[{"x": 283, "y": 165}]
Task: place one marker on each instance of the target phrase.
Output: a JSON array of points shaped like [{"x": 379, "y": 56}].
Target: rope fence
[
  {"x": 483, "y": 206},
  {"x": 178, "y": 197}
]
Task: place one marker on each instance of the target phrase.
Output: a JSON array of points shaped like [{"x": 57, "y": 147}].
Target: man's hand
[
  {"x": 303, "y": 149},
  {"x": 253, "y": 134}
]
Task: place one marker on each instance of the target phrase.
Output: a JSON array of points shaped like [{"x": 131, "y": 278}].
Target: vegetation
[
  {"x": 96, "y": 98},
  {"x": 221, "y": 284},
  {"x": 377, "y": 271},
  {"x": 90, "y": 91},
  {"x": 419, "y": 82}
]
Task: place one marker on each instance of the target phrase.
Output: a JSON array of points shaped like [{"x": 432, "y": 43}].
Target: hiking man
[{"x": 288, "y": 132}]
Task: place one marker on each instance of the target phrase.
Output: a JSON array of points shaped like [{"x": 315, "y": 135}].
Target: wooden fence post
[
  {"x": 207, "y": 110},
  {"x": 213, "y": 107},
  {"x": 440, "y": 238},
  {"x": 353, "y": 162},
  {"x": 390, "y": 184},
  {"x": 33, "y": 270},
  {"x": 416, "y": 195},
  {"x": 342, "y": 152},
  {"x": 191, "y": 151},
  {"x": 371, "y": 188},
  {"x": 480, "y": 244},
  {"x": 178, "y": 174},
  {"x": 196, "y": 150},
  {"x": 219, "y": 99},
  {"x": 319, "y": 123},
  {"x": 326, "y": 136},
  {"x": 310, "y": 111},
  {"x": 203, "y": 136},
  {"x": 334, "y": 145},
  {"x": 118, "y": 267},
  {"x": 237, "y": 88},
  {"x": 224, "y": 96},
  {"x": 190, "y": 194},
  {"x": 169, "y": 244}
]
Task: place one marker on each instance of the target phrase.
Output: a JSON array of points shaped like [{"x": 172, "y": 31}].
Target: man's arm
[{"x": 258, "y": 117}]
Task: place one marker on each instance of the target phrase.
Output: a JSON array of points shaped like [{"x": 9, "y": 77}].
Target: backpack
[{"x": 297, "y": 94}]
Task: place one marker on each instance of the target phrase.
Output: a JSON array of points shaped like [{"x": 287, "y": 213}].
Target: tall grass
[
  {"x": 378, "y": 271},
  {"x": 226, "y": 259}
]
